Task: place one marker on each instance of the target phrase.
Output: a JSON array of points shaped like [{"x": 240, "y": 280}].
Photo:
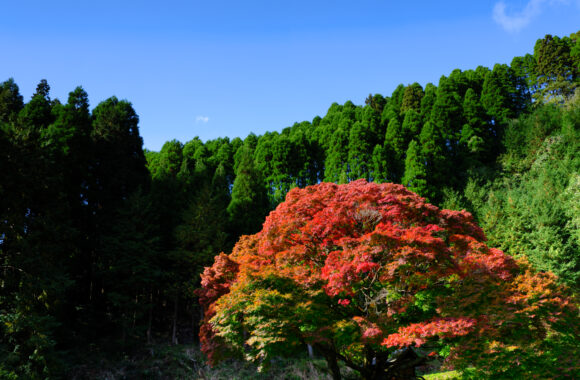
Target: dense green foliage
[
  {"x": 532, "y": 208},
  {"x": 102, "y": 243}
]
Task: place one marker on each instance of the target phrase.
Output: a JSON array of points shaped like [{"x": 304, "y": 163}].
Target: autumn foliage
[{"x": 362, "y": 270}]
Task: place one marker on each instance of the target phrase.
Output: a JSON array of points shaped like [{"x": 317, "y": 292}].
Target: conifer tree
[
  {"x": 412, "y": 125},
  {"x": 395, "y": 148},
  {"x": 11, "y": 102},
  {"x": 412, "y": 97},
  {"x": 336, "y": 162},
  {"x": 392, "y": 109},
  {"x": 525, "y": 69},
  {"x": 556, "y": 67},
  {"x": 432, "y": 146},
  {"x": 428, "y": 101},
  {"x": 474, "y": 134},
  {"x": 415, "y": 177},
  {"x": 249, "y": 204},
  {"x": 359, "y": 151},
  {"x": 447, "y": 113},
  {"x": 171, "y": 157},
  {"x": 36, "y": 115},
  {"x": 380, "y": 164}
]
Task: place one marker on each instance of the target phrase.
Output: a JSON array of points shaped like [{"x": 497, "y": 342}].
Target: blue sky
[{"x": 228, "y": 68}]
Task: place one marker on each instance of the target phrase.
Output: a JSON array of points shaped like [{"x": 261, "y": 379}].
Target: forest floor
[{"x": 167, "y": 362}]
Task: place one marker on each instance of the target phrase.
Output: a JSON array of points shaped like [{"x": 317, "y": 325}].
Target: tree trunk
[
  {"x": 150, "y": 317},
  {"x": 403, "y": 365},
  {"x": 331, "y": 360},
  {"x": 333, "y": 365},
  {"x": 201, "y": 318},
  {"x": 310, "y": 351},
  {"x": 174, "y": 333},
  {"x": 134, "y": 323}
]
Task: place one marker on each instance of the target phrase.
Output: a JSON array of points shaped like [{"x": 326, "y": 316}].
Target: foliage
[
  {"x": 249, "y": 202},
  {"x": 532, "y": 209},
  {"x": 360, "y": 270},
  {"x": 557, "y": 67}
]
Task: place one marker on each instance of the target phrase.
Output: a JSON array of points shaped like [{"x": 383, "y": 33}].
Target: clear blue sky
[{"x": 228, "y": 68}]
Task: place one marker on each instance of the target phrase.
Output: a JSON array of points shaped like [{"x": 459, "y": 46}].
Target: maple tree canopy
[{"x": 362, "y": 270}]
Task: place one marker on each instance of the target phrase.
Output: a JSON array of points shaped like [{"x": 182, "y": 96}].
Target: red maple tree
[{"x": 373, "y": 276}]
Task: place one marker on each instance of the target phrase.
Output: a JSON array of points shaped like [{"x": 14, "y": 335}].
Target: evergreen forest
[{"x": 103, "y": 243}]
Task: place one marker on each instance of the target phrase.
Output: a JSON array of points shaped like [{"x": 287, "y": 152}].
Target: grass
[
  {"x": 165, "y": 362},
  {"x": 449, "y": 375}
]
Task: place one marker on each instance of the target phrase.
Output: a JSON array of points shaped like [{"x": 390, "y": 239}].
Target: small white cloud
[
  {"x": 202, "y": 119},
  {"x": 519, "y": 20}
]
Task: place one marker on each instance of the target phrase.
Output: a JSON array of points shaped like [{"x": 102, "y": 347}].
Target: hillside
[{"x": 102, "y": 243}]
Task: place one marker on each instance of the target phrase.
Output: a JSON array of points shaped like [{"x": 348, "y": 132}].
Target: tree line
[{"x": 102, "y": 243}]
